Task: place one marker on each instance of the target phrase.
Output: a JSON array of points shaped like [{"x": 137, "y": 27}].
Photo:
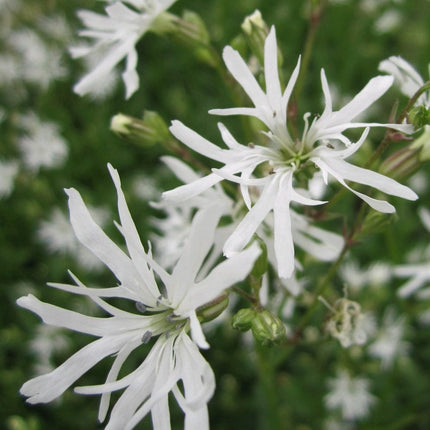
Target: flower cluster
[{"x": 241, "y": 221}]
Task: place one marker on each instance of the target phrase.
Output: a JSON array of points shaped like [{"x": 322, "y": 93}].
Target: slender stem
[
  {"x": 314, "y": 21},
  {"x": 268, "y": 389}
]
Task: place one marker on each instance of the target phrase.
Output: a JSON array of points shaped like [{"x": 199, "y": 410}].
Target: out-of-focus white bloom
[
  {"x": 389, "y": 21},
  {"x": 353, "y": 275},
  {"x": 55, "y": 27},
  {"x": 41, "y": 145},
  {"x": 389, "y": 342},
  {"x": 39, "y": 63},
  {"x": 115, "y": 36},
  {"x": 419, "y": 182},
  {"x": 168, "y": 309},
  {"x": 419, "y": 273},
  {"x": 379, "y": 273},
  {"x": 356, "y": 277},
  {"x": 284, "y": 156},
  {"x": 145, "y": 187},
  {"x": 8, "y": 172},
  {"x": 350, "y": 395},
  {"x": 47, "y": 342},
  {"x": 58, "y": 236},
  {"x": 408, "y": 79},
  {"x": 173, "y": 231}
]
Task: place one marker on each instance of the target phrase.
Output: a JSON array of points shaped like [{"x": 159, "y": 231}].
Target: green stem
[
  {"x": 314, "y": 21},
  {"x": 268, "y": 389}
]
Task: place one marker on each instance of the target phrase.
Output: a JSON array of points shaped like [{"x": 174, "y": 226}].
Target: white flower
[
  {"x": 169, "y": 311},
  {"x": 419, "y": 273},
  {"x": 39, "y": 63},
  {"x": 41, "y": 145},
  {"x": 350, "y": 395},
  {"x": 408, "y": 79},
  {"x": 389, "y": 343},
  {"x": 284, "y": 156},
  {"x": 115, "y": 37},
  {"x": 8, "y": 172}
]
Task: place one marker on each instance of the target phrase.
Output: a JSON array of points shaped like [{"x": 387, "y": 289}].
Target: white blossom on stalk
[
  {"x": 350, "y": 395},
  {"x": 272, "y": 169},
  {"x": 408, "y": 79},
  {"x": 115, "y": 36},
  {"x": 168, "y": 310}
]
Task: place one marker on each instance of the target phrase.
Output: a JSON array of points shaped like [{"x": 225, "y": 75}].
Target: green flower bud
[
  {"x": 423, "y": 144},
  {"x": 419, "y": 116},
  {"x": 242, "y": 320},
  {"x": 213, "y": 309},
  {"x": 147, "y": 131},
  {"x": 255, "y": 31},
  {"x": 267, "y": 328},
  {"x": 401, "y": 164},
  {"x": 375, "y": 222}
]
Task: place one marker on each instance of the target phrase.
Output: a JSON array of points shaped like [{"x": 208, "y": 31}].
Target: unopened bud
[
  {"x": 255, "y": 31},
  {"x": 147, "y": 131},
  {"x": 213, "y": 309},
  {"x": 191, "y": 31},
  {"x": 419, "y": 116},
  {"x": 401, "y": 164},
  {"x": 267, "y": 328},
  {"x": 242, "y": 320},
  {"x": 423, "y": 144},
  {"x": 375, "y": 222}
]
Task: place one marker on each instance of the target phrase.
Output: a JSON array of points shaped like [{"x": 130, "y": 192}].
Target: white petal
[
  {"x": 283, "y": 240},
  {"x": 252, "y": 220},
  {"x": 45, "y": 388},
  {"x": 196, "y": 142},
  {"x": 223, "y": 276},
  {"x": 93, "y": 237},
  {"x": 240, "y": 71}
]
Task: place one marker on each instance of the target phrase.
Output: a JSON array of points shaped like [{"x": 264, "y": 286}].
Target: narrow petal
[
  {"x": 196, "y": 142},
  {"x": 93, "y": 238},
  {"x": 240, "y": 71},
  {"x": 283, "y": 239},
  {"x": 46, "y": 388},
  {"x": 249, "y": 224}
]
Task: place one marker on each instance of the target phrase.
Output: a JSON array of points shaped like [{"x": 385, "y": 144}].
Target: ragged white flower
[
  {"x": 168, "y": 310},
  {"x": 408, "y": 79},
  {"x": 389, "y": 342},
  {"x": 273, "y": 169},
  {"x": 8, "y": 172},
  {"x": 418, "y": 273},
  {"x": 41, "y": 144},
  {"x": 115, "y": 36},
  {"x": 350, "y": 395}
]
